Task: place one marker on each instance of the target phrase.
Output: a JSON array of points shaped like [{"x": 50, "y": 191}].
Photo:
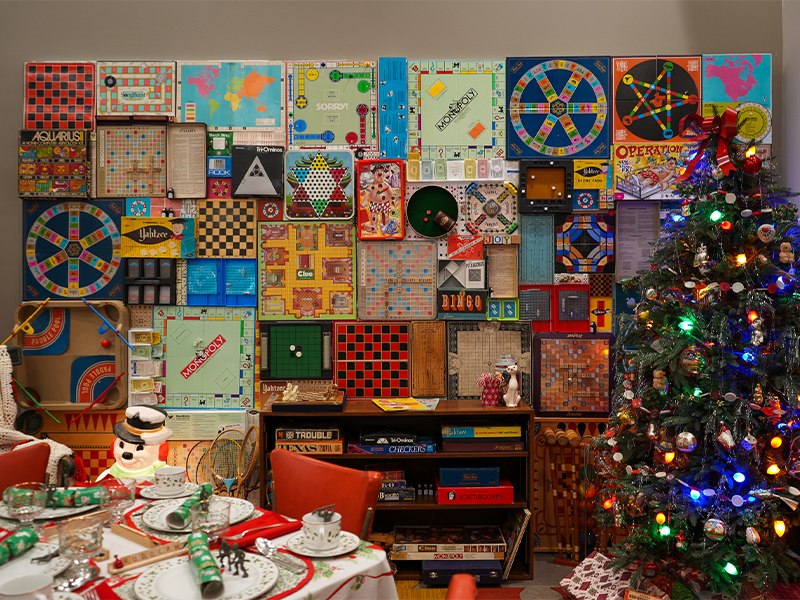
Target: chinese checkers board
[
  {"x": 306, "y": 271},
  {"x": 332, "y": 105},
  {"x": 575, "y": 374},
  {"x": 209, "y": 353},
  {"x": 473, "y": 349},
  {"x": 72, "y": 250},
  {"x": 558, "y": 107},
  {"x": 456, "y": 108},
  {"x": 373, "y": 359},
  {"x": 319, "y": 185},
  {"x": 296, "y": 350},
  {"x": 131, "y": 161},
  {"x": 138, "y": 89},
  {"x": 59, "y": 95},
  {"x": 53, "y": 164}
]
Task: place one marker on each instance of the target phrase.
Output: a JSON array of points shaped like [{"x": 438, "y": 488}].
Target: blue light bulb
[{"x": 738, "y": 477}]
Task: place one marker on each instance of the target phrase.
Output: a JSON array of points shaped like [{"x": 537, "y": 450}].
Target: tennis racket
[
  {"x": 248, "y": 456},
  {"x": 197, "y": 470},
  {"x": 223, "y": 459}
]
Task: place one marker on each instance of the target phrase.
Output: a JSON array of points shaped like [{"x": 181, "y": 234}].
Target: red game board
[
  {"x": 373, "y": 359},
  {"x": 59, "y": 95}
]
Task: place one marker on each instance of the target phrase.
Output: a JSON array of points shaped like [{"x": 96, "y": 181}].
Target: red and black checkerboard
[
  {"x": 373, "y": 359},
  {"x": 59, "y": 95}
]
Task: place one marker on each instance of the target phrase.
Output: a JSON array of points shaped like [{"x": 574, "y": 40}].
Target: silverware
[
  {"x": 268, "y": 549},
  {"x": 239, "y": 536},
  {"x": 46, "y": 558},
  {"x": 91, "y": 595},
  {"x": 70, "y": 585}
]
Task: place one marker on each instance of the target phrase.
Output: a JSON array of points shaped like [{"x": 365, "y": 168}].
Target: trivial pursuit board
[
  {"x": 558, "y": 107},
  {"x": 456, "y": 108},
  {"x": 306, "y": 271},
  {"x": 131, "y": 161},
  {"x": 209, "y": 353},
  {"x": 139, "y": 89},
  {"x": 332, "y": 104}
]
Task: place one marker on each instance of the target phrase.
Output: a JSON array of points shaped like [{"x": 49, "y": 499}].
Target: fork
[
  {"x": 91, "y": 595},
  {"x": 239, "y": 536}
]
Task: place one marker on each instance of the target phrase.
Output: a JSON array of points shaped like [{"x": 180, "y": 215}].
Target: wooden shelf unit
[{"x": 364, "y": 415}]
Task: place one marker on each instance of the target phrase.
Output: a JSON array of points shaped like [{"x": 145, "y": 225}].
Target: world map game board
[
  {"x": 131, "y": 161},
  {"x": 59, "y": 95},
  {"x": 209, "y": 355},
  {"x": 456, "y": 108},
  {"x": 141, "y": 89},
  {"x": 373, "y": 359},
  {"x": 306, "y": 271},
  {"x": 332, "y": 104}
]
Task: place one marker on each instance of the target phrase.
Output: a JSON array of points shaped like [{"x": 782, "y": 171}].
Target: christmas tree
[{"x": 701, "y": 451}]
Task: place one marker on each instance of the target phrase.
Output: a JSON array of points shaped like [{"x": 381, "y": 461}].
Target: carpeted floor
[{"x": 545, "y": 576}]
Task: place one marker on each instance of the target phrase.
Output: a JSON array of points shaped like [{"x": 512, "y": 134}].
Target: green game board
[{"x": 296, "y": 351}]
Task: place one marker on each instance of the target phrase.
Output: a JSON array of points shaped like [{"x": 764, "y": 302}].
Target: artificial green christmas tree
[{"x": 701, "y": 445}]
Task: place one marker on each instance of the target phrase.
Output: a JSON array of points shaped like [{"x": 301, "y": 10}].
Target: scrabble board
[{"x": 131, "y": 161}]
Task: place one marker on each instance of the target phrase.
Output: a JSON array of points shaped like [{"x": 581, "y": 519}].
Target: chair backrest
[
  {"x": 26, "y": 463},
  {"x": 462, "y": 587},
  {"x": 301, "y": 484}
]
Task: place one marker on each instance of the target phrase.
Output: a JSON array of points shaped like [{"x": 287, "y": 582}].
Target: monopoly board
[
  {"x": 131, "y": 161},
  {"x": 72, "y": 250},
  {"x": 456, "y": 108},
  {"x": 652, "y": 95},
  {"x": 584, "y": 243},
  {"x": 575, "y": 374},
  {"x": 319, "y": 185},
  {"x": 397, "y": 280},
  {"x": 332, "y": 104},
  {"x": 138, "y": 89},
  {"x": 558, "y": 107},
  {"x": 209, "y": 355},
  {"x": 59, "y": 95},
  {"x": 306, "y": 271},
  {"x": 53, "y": 164},
  {"x": 233, "y": 96},
  {"x": 373, "y": 359},
  {"x": 474, "y": 348}
]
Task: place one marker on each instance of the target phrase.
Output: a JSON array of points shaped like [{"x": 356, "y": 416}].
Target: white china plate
[
  {"x": 173, "y": 579},
  {"x": 151, "y": 493},
  {"x": 155, "y": 516},
  {"x": 349, "y": 542},
  {"x": 52, "y": 513},
  {"x": 67, "y": 596},
  {"x": 22, "y": 565}
]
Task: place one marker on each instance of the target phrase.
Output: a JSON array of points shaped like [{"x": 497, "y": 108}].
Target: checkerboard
[
  {"x": 373, "y": 359},
  {"x": 226, "y": 229},
  {"x": 59, "y": 95}
]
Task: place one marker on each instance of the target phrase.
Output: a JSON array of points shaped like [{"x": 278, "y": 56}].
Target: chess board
[
  {"x": 131, "y": 161},
  {"x": 59, "y": 95},
  {"x": 306, "y": 271},
  {"x": 574, "y": 374},
  {"x": 397, "y": 280},
  {"x": 373, "y": 359},
  {"x": 226, "y": 229},
  {"x": 319, "y": 186}
]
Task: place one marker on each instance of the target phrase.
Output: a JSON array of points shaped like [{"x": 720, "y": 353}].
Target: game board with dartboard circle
[
  {"x": 59, "y": 95},
  {"x": 131, "y": 161},
  {"x": 373, "y": 359}
]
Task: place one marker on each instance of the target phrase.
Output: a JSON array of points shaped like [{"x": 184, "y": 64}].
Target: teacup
[
  {"x": 170, "y": 481},
  {"x": 320, "y": 534},
  {"x": 28, "y": 587}
]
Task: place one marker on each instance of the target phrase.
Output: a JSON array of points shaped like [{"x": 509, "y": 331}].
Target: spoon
[
  {"x": 268, "y": 549},
  {"x": 76, "y": 582}
]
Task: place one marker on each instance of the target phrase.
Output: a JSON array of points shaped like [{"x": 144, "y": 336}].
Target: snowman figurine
[{"x": 141, "y": 444}]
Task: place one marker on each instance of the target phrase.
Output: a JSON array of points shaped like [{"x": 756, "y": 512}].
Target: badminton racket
[
  {"x": 223, "y": 458},
  {"x": 197, "y": 470},
  {"x": 248, "y": 455}
]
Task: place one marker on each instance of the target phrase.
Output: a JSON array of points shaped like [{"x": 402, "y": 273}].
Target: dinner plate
[
  {"x": 174, "y": 579},
  {"x": 151, "y": 493},
  {"x": 67, "y": 596},
  {"x": 22, "y": 565},
  {"x": 348, "y": 543},
  {"x": 155, "y": 516},
  {"x": 51, "y": 513}
]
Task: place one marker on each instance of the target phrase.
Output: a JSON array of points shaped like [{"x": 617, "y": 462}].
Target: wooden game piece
[
  {"x": 428, "y": 356},
  {"x": 561, "y": 437}
]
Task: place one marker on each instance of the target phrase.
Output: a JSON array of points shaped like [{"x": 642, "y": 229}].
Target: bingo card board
[
  {"x": 558, "y": 107},
  {"x": 59, "y": 95},
  {"x": 332, "y": 104},
  {"x": 652, "y": 95},
  {"x": 306, "y": 270},
  {"x": 296, "y": 350},
  {"x": 319, "y": 185},
  {"x": 397, "y": 280},
  {"x": 473, "y": 349},
  {"x": 209, "y": 355},
  {"x": 456, "y": 108},
  {"x": 373, "y": 359},
  {"x": 135, "y": 89},
  {"x": 584, "y": 243},
  {"x": 131, "y": 161},
  {"x": 72, "y": 250},
  {"x": 574, "y": 374}
]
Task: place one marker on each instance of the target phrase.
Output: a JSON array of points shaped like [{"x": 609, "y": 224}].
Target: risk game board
[
  {"x": 59, "y": 95},
  {"x": 137, "y": 89},
  {"x": 53, "y": 164},
  {"x": 373, "y": 359},
  {"x": 131, "y": 161},
  {"x": 319, "y": 185},
  {"x": 306, "y": 271}
]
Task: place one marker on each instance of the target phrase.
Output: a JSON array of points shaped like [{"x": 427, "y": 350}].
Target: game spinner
[
  {"x": 59, "y": 95},
  {"x": 373, "y": 359},
  {"x": 72, "y": 250},
  {"x": 139, "y": 89},
  {"x": 131, "y": 161},
  {"x": 456, "y": 108},
  {"x": 575, "y": 374},
  {"x": 332, "y": 105},
  {"x": 209, "y": 355},
  {"x": 306, "y": 271},
  {"x": 558, "y": 107}
]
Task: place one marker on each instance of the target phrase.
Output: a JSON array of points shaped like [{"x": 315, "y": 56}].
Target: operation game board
[
  {"x": 138, "y": 89},
  {"x": 131, "y": 161},
  {"x": 59, "y": 95},
  {"x": 373, "y": 359}
]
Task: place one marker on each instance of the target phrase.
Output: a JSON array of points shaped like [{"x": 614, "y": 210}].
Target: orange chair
[
  {"x": 462, "y": 587},
  {"x": 26, "y": 463},
  {"x": 301, "y": 484}
]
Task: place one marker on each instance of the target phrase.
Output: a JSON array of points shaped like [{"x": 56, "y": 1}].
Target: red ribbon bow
[{"x": 722, "y": 127}]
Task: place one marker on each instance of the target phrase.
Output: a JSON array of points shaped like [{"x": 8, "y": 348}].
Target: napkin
[
  {"x": 268, "y": 518},
  {"x": 17, "y": 543},
  {"x": 179, "y": 518},
  {"x": 205, "y": 567}
]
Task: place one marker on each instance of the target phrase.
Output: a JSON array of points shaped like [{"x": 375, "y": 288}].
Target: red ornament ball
[
  {"x": 752, "y": 165},
  {"x": 105, "y": 343}
]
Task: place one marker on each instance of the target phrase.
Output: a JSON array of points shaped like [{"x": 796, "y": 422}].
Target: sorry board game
[
  {"x": 59, "y": 95},
  {"x": 306, "y": 270},
  {"x": 131, "y": 161},
  {"x": 138, "y": 89},
  {"x": 373, "y": 359},
  {"x": 53, "y": 164}
]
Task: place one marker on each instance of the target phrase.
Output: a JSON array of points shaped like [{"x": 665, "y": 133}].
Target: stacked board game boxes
[
  {"x": 310, "y": 438},
  {"x": 394, "y": 486}
]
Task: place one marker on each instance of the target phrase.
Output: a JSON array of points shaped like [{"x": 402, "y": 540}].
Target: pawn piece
[
  {"x": 105, "y": 343},
  {"x": 118, "y": 562}
]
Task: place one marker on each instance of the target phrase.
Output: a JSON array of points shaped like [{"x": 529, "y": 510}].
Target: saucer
[
  {"x": 348, "y": 542},
  {"x": 150, "y": 492}
]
